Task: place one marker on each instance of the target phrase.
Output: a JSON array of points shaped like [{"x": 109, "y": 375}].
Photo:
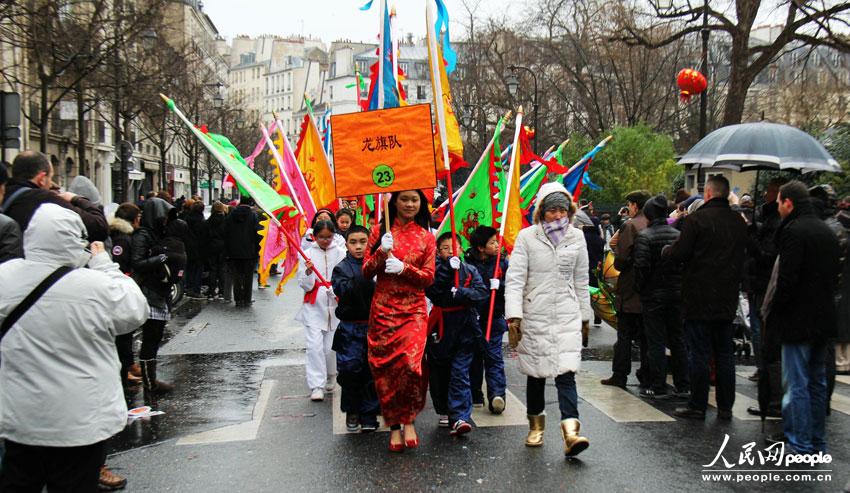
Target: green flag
[
  {"x": 277, "y": 206},
  {"x": 475, "y": 203}
]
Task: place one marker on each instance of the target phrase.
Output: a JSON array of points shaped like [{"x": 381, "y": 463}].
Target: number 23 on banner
[{"x": 383, "y": 151}]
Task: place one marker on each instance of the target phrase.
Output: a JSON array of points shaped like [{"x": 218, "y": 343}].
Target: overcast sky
[{"x": 330, "y": 20}]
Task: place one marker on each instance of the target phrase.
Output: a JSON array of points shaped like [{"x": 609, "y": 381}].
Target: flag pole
[
  {"x": 294, "y": 244},
  {"x": 282, "y": 171},
  {"x": 380, "y": 79},
  {"x": 439, "y": 104},
  {"x": 288, "y": 148},
  {"x": 497, "y": 271}
]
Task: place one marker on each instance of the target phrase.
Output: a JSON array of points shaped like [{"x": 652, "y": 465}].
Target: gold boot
[
  {"x": 574, "y": 444},
  {"x": 536, "y": 425}
]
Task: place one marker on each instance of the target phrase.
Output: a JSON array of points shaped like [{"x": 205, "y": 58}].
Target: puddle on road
[{"x": 211, "y": 391}]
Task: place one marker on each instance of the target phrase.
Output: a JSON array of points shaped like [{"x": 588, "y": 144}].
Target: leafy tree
[{"x": 637, "y": 158}]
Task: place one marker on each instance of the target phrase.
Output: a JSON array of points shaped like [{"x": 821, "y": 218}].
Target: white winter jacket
[
  {"x": 319, "y": 315},
  {"x": 546, "y": 287},
  {"x": 59, "y": 370}
]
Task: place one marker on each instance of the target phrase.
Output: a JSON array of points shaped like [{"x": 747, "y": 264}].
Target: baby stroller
[{"x": 742, "y": 337}]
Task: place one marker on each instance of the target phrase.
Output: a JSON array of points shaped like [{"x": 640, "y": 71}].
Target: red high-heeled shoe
[
  {"x": 395, "y": 447},
  {"x": 412, "y": 443}
]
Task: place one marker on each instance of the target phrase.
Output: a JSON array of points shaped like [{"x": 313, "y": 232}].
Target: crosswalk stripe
[
  {"x": 840, "y": 403},
  {"x": 845, "y": 379},
  {"x": 616, "y": 403},
  {"x": 514, "y": 414}
]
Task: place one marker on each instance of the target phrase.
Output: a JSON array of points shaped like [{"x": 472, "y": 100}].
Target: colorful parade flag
[
  {"x": 511, "y": 219},
  {"x": 313, "y": 163},
  {"x": 475, "y": 202},
  {"x": 276, "y": 206},
  {"x": 448, "y": 131}
]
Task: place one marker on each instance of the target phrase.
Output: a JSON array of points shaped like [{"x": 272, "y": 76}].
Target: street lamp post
[{"x": 513, "y": 86}]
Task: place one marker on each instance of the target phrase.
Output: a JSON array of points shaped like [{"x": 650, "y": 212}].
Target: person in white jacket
[
  {"x": 546, "y": 308},
  {"x": 60, "y": 391},
  {"x": 317, "y": 311}
]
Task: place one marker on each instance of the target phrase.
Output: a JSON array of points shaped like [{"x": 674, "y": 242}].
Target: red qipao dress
[{"x": 398, "y": 321}]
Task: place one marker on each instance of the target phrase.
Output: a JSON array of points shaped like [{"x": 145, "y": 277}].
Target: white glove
[
  {"x": 455, "y": 263},
  {"x": 387, "y": 242},
  {"x": 331, "y": 294},
  {"x": 494, "y": 284},
  {"x": 454, "y": 292},
  {"x": 394, "y": 266}
]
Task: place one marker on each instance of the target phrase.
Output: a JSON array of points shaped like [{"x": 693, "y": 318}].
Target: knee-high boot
[{"x": 149, "y": 378}]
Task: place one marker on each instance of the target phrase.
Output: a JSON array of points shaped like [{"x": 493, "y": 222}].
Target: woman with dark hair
[
  {"x": 344, "y": 220},
  {"x": 403, "y": 260}
]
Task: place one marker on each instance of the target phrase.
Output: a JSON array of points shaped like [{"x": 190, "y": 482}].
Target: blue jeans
[
  {"x": 804, "y": 398},
  {"x": 460, "y": 393},
  {"x": 535, "y": 396},
  {"x": 487, "y": 362},
  {"x": 707, "y": 337}
]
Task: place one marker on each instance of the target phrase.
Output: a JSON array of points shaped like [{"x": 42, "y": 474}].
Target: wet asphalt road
[{"x": 220, "y": 358}]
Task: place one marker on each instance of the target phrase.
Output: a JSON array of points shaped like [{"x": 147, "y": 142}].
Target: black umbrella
[{"x": 762, "y": 145}]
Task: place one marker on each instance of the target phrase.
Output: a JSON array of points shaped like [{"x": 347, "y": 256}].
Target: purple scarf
[{"x": 556, "y": 230}]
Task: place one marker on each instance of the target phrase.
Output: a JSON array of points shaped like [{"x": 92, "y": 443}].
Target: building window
[
  {"x": 420, "y": 92},
  {"x": 403, "y": 67},
  {"x": 101, "y": 132},
  {"x": 331, "y": 92},
  {"x": 332, "y": 71}
]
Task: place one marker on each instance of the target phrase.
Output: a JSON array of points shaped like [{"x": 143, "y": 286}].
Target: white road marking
[
  {"x": 238, "y": 432},
  {"x": 616, "y": 403}
]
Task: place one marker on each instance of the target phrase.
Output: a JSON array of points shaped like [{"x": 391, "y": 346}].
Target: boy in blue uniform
[
  {"x": 487, "y": 360},
  {"x": 359, "y": 401},
  {"x": 454, "y": 330}
]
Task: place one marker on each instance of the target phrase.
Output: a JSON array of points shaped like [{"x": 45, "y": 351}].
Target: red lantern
[{"x": 691, "y": 82}]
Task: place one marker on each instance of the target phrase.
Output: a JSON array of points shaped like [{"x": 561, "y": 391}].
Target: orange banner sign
[{"x": 383, "y": 151}]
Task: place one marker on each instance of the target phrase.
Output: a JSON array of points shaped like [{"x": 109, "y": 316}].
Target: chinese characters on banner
[{"x": 384, "y": 151}]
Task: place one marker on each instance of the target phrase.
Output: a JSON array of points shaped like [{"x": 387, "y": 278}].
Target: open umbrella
[{"x": 761, "y": 146}]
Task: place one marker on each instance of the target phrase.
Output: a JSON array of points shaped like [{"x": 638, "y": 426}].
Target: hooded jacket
[
  {"x": 121, "y": 234},
  {"x": 321, "y": 314},
  {"x": 59, "y": 384},
  {"x": 11, "y": 244},
  {"x": 546, "y": 287},
  {"x": 656, "y": 278},
  {"x": 148, "y": 263}
]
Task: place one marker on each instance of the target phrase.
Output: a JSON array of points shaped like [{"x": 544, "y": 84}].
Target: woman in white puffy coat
[
  {"x": 317, "y": 311},
  {"x": 546, "y": 304}
]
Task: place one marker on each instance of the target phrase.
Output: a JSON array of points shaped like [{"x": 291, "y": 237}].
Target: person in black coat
[
  {"x": 154, "y": 268},
  {"x": 359, "y": 401},
  {"x": 241, "y": 250},
  {"x": 455, "y": 329},
  {"x": 128, "y": 219},
  {"x": 712, "y": 247},
  {"x": 196, "y": 241},
  {"x": 659, "y": 283},
  {"x": 214, "y": 253},
  {"x": 799, "y": 312},
  {"x": 488, "y": 361}
]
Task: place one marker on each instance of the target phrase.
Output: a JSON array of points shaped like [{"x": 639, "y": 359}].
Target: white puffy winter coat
[
  {"x": 546, "y": 286},
  {"x": 59, "y": 378},
  {"x": 321, "y": 314}
]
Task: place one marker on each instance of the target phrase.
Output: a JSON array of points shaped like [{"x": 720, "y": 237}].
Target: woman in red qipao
[{"x": 403, "y": 261}]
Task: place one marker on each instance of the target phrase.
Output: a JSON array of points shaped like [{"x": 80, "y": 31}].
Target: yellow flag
[
  {"x": 512, "y": 212},
  {"x": 314, "y": 164},
  {"x": 455, "y": 144}
]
